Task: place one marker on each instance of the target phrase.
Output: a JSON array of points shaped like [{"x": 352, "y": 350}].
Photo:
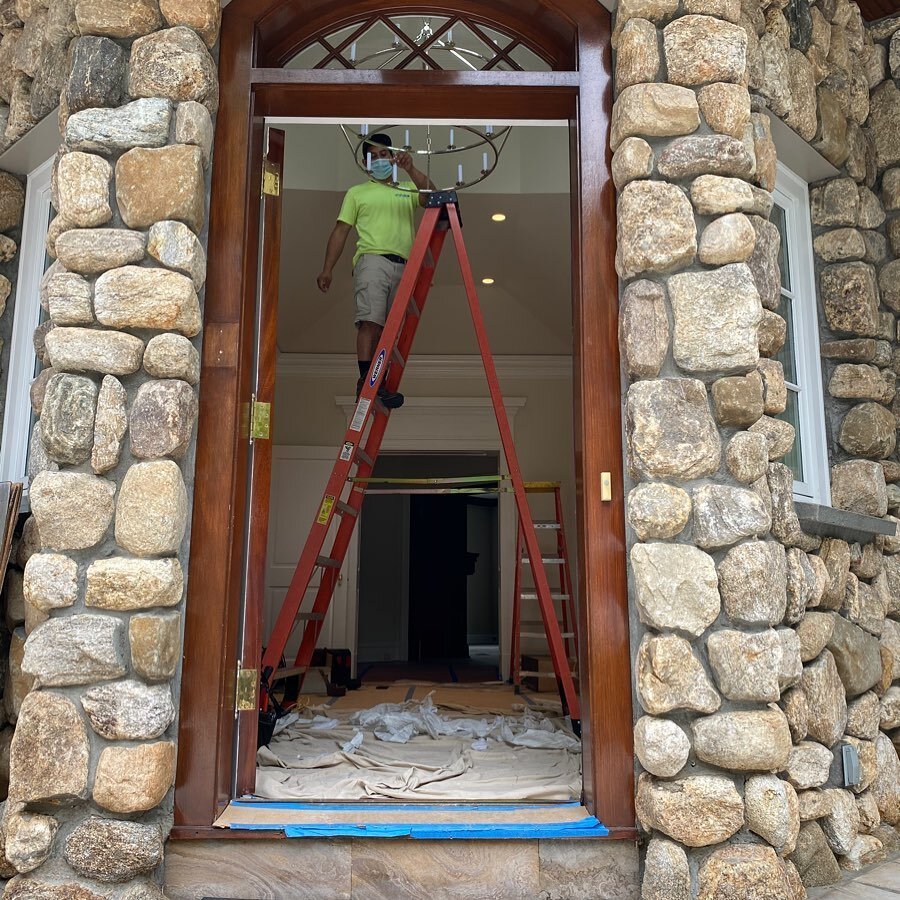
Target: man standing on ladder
[{"x": 383, "y": 216}]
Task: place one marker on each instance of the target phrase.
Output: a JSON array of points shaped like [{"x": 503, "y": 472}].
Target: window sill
[{"x": 839, "y": 523}]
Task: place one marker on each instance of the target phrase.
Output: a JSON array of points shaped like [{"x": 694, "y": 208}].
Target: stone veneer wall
[
  {"x": 95, "y": 654},
  {"x": 760, "y": 649}
]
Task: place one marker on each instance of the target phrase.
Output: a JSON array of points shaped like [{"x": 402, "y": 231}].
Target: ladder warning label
[
  {"x": 347, "y": 450},
  {"x": 362, "y": 408},
  {"x": 325, "y": 509}
]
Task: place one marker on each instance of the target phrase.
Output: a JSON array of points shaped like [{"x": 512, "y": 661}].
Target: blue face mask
[{"x": 382, "y": 168}]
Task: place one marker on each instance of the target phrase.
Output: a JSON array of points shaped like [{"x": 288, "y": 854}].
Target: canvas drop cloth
[{"x": 419, "y": 751}]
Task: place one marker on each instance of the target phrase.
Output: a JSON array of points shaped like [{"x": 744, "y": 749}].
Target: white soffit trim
[
  {"x": 34, "y": 147},
  {"x": 798, "y": 155},
  {"x": 339, "y": 365}
]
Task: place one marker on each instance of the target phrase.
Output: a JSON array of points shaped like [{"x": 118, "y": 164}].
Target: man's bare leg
[{"x": 367, "y": 336}]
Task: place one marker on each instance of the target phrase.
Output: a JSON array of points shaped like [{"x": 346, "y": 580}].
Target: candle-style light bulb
[
  {"x": 489, "y": 129},
  {"x": 365, "y": 130},
  {"x": 369, "y": 161},
  {"x": 395, "y": 173},
  {"x": 451, "y": 137},
  {"x": 484, "y": 162},
  {"x": 459, "y": 178},
  {"x": 353, "y": 52},
  {"x": 406, "y": 139},
  {"x": 450, "y": 36}
]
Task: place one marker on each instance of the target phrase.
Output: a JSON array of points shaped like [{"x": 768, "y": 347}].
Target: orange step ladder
[
  {"x": 346, "y": 486},
  {"x": 564, "y": 595}
]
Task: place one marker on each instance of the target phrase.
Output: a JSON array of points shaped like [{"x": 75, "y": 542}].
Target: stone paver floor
[{"x": 881, "y": 882}]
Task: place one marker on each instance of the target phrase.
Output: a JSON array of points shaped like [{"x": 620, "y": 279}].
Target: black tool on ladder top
[{"x": 359, "y": 450}]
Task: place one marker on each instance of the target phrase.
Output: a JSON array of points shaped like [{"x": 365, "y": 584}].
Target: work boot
[{"x": 391, "y": 399}]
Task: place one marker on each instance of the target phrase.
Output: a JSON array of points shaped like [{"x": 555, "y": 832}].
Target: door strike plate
[
  {"x": 245, "y": 693},
  {"x": 605, "y": 486}
]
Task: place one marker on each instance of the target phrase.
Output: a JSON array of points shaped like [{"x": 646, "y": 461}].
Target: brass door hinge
[
  {"x": 260, "y": 419},
  {"x": 271, "y": 178},
  {"x": 245, "y": 692}
]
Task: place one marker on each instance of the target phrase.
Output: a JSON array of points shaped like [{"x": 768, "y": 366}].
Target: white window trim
[
  {"x": 27, "y": 316},
  {"x": 792, "y": 195}
]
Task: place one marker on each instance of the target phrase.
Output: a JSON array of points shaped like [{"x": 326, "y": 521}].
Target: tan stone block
[
  {"x": 637, "y": 57},
  {"x": 738, "y": 400},
  {"x": 125, "y": 584},
  {"x": 83, "y": 187},
  {"x": 151, "y": 511},
  {"x": 173, "y": 63},
  {"x": 134, "y": 779},
  {"x": 204, "y": 16},
  {"x": 728, "y": 239},
  {"x": 655, "y": 227},
  {"x": 157, "y": 184},
  {"x": 701, "y": 49},
  {"x": 726, "y": 108},
  {"x": 155, "y": 642},
  {"x": 49, "y": 753},
  {"x": 643, "y": 328},
  {"x": 654, "y": 110},
  {"x": 120, "y": 19},
  {"x": 141, "y": 297}
]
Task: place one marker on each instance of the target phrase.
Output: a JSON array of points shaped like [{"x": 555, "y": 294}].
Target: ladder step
[
  {"x": 328, "y": 562},
  {"x": 531, "y": 595},
  {"x": 548, "y": 524},
  {"x": 311, "y": 617},
  {"x": 413, "y": 308},
  {"x": 540, "y": 635},
  {"x": 546, "y": 560},
  {"x": 397, "y": 356},
  {"x": 363, "y": 456},
  {"x": 278, "y": 674},
  {"x": 345, "y": 509},
  {"x": 527, "y": 673},
  {"x": 536, "y": 630}
]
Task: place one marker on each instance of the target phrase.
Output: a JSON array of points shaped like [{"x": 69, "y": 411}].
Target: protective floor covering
[
  {"x": 415, "y": 820},
  {"x": 432, "y": 747}
]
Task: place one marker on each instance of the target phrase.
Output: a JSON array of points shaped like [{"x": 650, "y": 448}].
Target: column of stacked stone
[
  {"x": 92, "y": 760},
  {"x": 744, "y": 691}
]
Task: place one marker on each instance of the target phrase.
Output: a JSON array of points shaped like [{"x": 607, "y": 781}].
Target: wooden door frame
[{"x": 257, "y": 35}]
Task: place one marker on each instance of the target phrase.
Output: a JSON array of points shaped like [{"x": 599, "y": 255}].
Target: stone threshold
[{"x": 839, "y": 523}]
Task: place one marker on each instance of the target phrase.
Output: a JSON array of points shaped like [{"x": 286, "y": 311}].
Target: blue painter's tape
[{"x": 587, "y": 827}]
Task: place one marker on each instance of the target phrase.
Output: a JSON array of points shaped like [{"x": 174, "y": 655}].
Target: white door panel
[{"x": 299, "y": 475}]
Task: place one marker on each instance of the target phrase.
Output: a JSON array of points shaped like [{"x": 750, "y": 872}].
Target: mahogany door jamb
[{"x": 207, "y": 721}]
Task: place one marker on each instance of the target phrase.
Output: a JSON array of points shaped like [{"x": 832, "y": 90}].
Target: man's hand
[
  {"x": 404, "y": 160},
  {"x": 324, "y": 282}
]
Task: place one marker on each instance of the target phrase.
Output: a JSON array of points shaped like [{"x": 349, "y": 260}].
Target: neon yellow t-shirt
[{"x": 383, "y": 217}]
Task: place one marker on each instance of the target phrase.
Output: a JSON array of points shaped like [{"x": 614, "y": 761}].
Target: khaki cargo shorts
[{"x": 375, "y": 281}]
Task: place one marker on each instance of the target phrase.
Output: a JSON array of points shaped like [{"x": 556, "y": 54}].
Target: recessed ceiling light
[
  {"x": 499, "y": 217},
  {"x": 487, "y": 280}
]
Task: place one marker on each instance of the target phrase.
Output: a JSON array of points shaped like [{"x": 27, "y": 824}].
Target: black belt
[{"x": 392, "y": 257}]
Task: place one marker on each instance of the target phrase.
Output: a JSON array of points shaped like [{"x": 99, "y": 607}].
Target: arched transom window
[{"x": 419, "y": 42}]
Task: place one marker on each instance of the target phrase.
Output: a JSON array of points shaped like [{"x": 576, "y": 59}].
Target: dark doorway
[{"x": 438, "y": 572}]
